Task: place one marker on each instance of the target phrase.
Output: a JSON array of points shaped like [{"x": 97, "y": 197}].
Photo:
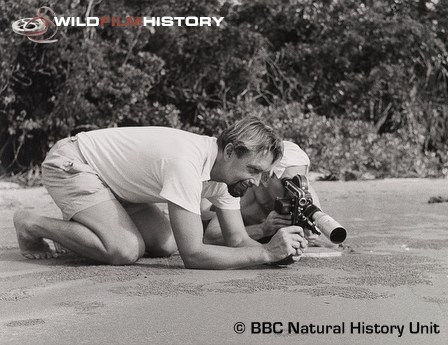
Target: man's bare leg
[
  {"x": 156, "y": 231},
  {"x": 103, "y": 232}
]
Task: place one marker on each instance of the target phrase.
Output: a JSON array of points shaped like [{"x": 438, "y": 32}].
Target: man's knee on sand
[
  {"x": 126, "y": 251},
  {"x": 160, "y": 250},
  {"x": 154, "y": 226}
]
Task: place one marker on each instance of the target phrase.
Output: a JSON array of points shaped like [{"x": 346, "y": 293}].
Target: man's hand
[
  {"x": 287, "y": 241},
  {"x": 310, "y": 236},
  {"x": 275, "y": 221}
]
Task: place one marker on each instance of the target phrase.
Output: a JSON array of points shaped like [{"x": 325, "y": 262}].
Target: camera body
[{"x": 298, "y": 202}]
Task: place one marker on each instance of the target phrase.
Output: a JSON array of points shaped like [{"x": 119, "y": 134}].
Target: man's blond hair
[{"x": 252, "y": 135}]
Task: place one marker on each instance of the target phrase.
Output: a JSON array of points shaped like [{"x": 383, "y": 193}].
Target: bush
[
  {"x": 339, "y": 145},
  {"x": 358, "y": 85}
]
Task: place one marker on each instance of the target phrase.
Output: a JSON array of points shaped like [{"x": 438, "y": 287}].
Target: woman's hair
[{"x": 251, "y": 135}]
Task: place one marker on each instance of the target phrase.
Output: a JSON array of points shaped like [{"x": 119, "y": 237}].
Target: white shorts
[{"x": 72, "y": 183}]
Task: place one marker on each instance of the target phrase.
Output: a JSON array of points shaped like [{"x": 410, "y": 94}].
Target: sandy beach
[{"x": 393, "y": 273}]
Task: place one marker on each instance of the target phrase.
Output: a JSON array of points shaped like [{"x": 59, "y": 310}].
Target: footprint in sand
[
  {"x": 83, "y": 307},
  {"x": 26, "y": 322}
]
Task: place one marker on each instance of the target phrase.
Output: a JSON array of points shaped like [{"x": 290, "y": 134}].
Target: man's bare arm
[
  {"x": 213, "y": 233},
  {"x": 256, "y": 231},
  {"x": 187, "y": 229},
  {"x": 233, "y": 230}
]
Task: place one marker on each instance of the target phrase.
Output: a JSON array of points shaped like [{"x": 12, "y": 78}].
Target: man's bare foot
[{"x": 31, "y": 247}]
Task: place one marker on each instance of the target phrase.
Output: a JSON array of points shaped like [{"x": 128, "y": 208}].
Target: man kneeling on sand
[
  {"x": 257, "y": 205},
  {"x": 106, "y": 183}
]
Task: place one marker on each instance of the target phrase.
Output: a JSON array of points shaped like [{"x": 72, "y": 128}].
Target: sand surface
[{"x": 395, "y": 273}]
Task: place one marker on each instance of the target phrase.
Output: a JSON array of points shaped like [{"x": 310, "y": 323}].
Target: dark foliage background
[{"x": 360, "y": 85}]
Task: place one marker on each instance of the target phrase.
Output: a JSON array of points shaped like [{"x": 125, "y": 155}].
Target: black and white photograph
[{"x": 196, "y": 172}]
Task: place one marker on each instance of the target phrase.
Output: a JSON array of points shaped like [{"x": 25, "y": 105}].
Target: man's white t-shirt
[{"x": 156, "y": 164}]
